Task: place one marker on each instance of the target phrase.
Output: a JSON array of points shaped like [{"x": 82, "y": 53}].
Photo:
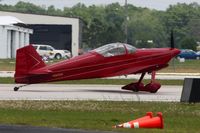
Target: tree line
[{"x": 145, "y": 27}]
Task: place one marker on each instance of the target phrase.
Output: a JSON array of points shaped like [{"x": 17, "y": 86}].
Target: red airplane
[{"x": 109, "y": 60}]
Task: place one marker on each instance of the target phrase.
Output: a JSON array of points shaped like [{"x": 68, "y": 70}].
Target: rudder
[{"x": 27, "y": 60}]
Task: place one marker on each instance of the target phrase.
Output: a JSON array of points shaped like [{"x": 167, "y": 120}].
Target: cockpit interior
[{"x": 115, "y": 49}]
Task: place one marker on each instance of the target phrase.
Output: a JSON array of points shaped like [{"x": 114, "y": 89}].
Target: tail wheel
[
  {"x": 58, "y": 56},
  {"x": 16, "y": 88}
]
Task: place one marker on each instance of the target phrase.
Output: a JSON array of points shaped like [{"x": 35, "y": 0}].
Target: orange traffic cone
[
  {"x": 148, "y": 116},
  {"x": 128, "y": 124},
  {"x": 155, "y": 122}
]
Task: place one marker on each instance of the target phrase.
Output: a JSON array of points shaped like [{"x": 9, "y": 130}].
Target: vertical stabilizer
[{"x": 27, "y": 60}]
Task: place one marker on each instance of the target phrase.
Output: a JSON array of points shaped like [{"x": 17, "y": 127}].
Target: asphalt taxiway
[
  {"x": 86, "y": 92},
  {"x": 31, "y": 129},
  {"x": 78, "y": 92}
]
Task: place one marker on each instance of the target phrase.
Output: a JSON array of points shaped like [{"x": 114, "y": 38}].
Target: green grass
[
  {"x": 7, "y": 64},
  {"x": 101, "y": 81},
  {"x": 189, "y": 66},
  {"x": 6, "y": 80},
  {"x": 93, "y": 115},
  {"x": 119, "y": 81}
]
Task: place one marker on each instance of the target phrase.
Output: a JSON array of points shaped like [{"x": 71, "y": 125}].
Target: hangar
[
  {"x": 13, "y": 35},
  {"x": 59, "y": 32}
]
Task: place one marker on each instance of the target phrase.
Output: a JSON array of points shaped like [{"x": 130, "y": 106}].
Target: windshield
[
  {"x": 115, "y": 49},
  {"x": 130, "y": 48}
]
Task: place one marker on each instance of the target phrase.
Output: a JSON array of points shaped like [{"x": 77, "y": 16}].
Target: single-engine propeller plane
[{"x": 109, "y": 60}]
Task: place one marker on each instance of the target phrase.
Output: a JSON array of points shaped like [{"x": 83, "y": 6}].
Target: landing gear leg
[
  {"x": 141, "y": 78},
  {"x": 16, "y": 88},
  {"x": 135, "y": 86},
  {"x": 153, "y": 86}
]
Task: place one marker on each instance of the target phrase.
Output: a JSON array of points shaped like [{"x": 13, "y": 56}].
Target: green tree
[
  {"x": 188, "y": 43},
  {"x": 179, "y": 17},
  {"x": 114, "y": 17},
  {"x": 27, "y": 7},
  {"x": 145, "y": 26},
  {"x": 194, "y": 29},
  {"x": 51, "y": 10}
]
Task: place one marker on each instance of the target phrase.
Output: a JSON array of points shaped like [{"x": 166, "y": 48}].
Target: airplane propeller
[
  {"x": 172, "y": 39},
  {"x": 172, "y": 47}
]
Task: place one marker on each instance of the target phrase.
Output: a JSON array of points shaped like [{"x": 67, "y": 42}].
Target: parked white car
[{"x": 50, "y": 52}]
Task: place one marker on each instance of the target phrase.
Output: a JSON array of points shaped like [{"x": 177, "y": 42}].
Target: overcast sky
[{"x": 152, "y": 4}]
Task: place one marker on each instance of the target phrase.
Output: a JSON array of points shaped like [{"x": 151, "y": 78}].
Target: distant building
[
  {"x": 59, "y": 32},
  {"x": 13, "y": 35}
]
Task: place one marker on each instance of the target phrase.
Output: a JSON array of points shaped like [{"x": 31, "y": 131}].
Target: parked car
[
  {"x": 49, "y": 51},
  {"x": 188, "y": 54},
  {"x": 198, "y": 53}
]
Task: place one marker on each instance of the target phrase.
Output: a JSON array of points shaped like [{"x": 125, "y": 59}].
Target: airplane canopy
[{"x": 114, "y": 49}]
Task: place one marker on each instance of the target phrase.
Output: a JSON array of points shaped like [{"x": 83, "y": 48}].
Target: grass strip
[
  {"x": 101, "y": 81},
  {"x": 6, "y": 80},
  {"x": 94, "y": 115}
]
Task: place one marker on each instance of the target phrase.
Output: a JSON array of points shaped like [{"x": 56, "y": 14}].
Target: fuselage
[{"x": 94, "y": 65}]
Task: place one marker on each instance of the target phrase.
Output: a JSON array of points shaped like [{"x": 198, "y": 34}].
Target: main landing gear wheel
[
  {"x": 135, "y": 87},
  {"x": 135, "y": 90},
  {"x": 153, "y": 91},
  {"x": 152, "y": 87}
]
